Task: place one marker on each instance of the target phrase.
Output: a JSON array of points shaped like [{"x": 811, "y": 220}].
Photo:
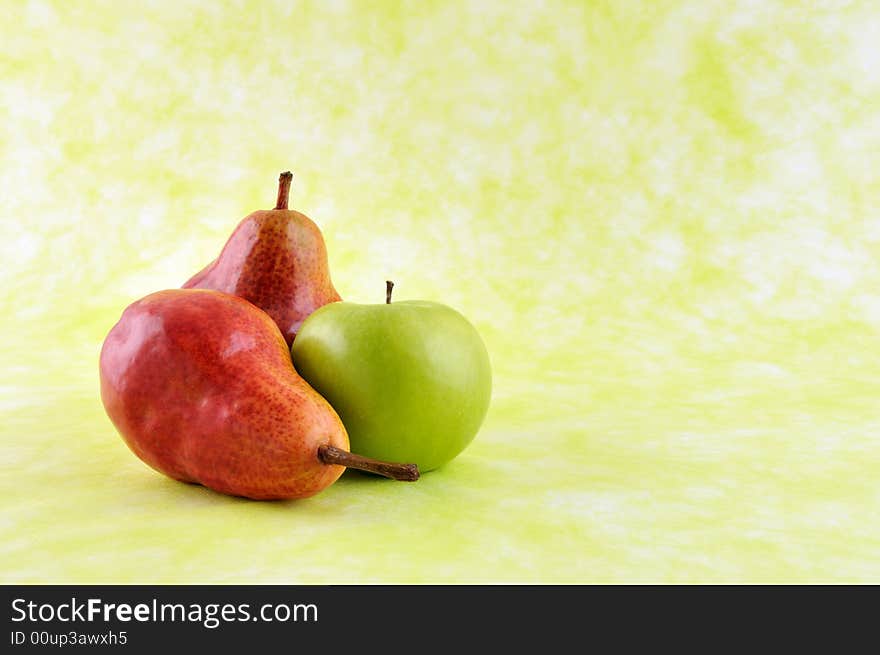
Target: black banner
[{"x": 400, "y": 618}]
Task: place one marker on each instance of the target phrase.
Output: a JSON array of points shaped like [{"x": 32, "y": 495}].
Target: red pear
[
  {"x": 201, "y": 387},
  {"x": 277, "y": 260}
]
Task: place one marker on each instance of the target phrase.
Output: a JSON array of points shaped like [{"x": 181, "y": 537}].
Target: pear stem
[
  {"x": 389, "y": 285},
  {"x": 333, "y": 455},
  {"x": 283, "y": 190}
]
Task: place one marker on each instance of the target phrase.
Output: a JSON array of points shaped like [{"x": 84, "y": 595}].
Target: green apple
[{"x": 410, "y": 380}]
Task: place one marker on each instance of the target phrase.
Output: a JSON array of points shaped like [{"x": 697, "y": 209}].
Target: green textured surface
[{"x": 662, "y": 217}]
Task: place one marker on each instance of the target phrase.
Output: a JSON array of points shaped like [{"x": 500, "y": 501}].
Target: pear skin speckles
[
  {"x": 200, "y": 385},
  {"x": 277, "y": 260}
]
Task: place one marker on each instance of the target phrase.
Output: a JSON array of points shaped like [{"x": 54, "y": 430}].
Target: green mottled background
[{"x": 662, "y": 216}]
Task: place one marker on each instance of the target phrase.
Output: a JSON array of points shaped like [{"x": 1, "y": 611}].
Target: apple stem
[
  {"x": 283, "y": 190},
  {"x": 389, "y": 285},
  {"x": 333, "y": 455}
]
